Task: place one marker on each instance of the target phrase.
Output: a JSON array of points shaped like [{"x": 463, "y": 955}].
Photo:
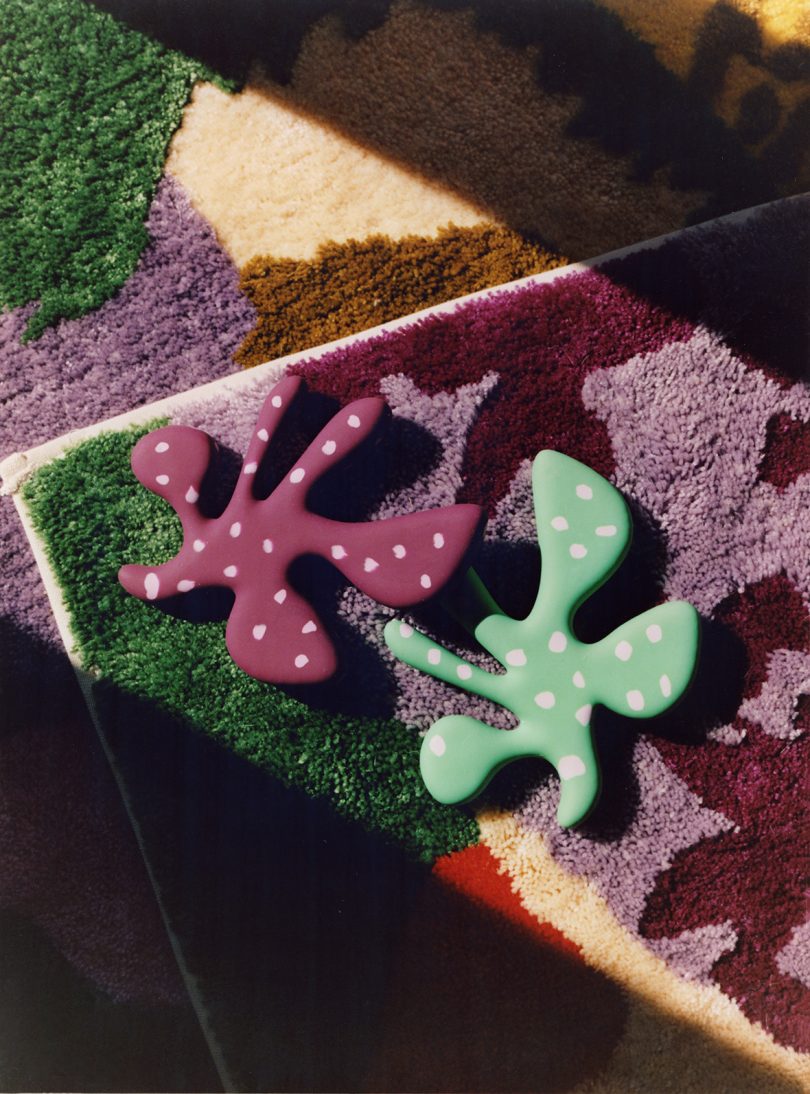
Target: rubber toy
[
  {"x": 552, "y": 681},
  {"x": 273, "y": 633}
]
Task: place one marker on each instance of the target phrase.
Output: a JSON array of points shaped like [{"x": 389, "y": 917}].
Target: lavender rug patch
[
  {"x": 694, "y": 464},
  {"x": 175, "y": 323},
  {"x": 794, "y": 959},
  {"x": 668, "y": 818}
]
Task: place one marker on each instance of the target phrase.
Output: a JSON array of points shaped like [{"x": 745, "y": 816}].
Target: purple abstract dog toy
[{"x": 273, "y": 633}]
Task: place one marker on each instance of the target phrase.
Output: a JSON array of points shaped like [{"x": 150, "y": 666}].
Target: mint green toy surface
[{"x": 552, "y": 680}]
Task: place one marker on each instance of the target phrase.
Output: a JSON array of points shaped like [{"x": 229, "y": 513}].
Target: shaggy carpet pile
[
  {"x": 190, "y": 189},
  {"x": 673, "y": 370}
]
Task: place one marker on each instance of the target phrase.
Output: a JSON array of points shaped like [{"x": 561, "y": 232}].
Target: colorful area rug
[
  {"x": 679, "y": 907},
  {"x": 187, "y": 190}
]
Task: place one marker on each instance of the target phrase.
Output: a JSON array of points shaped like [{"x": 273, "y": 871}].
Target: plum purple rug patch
[{"x": 679, "y": 372}]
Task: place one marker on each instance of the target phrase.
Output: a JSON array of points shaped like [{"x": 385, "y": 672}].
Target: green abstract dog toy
[{"x": 552, "y": 680}]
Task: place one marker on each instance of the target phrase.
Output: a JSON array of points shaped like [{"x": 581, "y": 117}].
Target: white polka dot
[
  {"x": 438, "y": 540},
  {"x": 353, "y": 421},
  {"x": 370, "y": 564},
  {"x": 570, "y": 767},
  {"x": 151, "y": 584},
  {"x": 434, "y": 656},
  {"x": 276, "y": 401},
  {"x": 191, "y": 495},
  {"x": 516, "y": 657},
  {"x": 666, "y": 686},
  {"x": 557, "y": 642},
  {"x": 579, "y": 680},
  {"x": 185, "y": 585},
  {"x": 301, "y": 660},
  {"x": 163, "y": 480},
  {"x": 280, "y": 596},
  {"x": 259, "y": 631},
  {"x": 328, "y": 448},
  {"x": 162, "y": 447},
  {"x": 399, "y": 550},
  {"x": 545, "y": 699},
  {"x": 405, "y": 630},
  {"x": 635, "y": 700},
  {"x": 464, "y": 672},
  {"x": 606, "y": 530},
  {"x": 263, "y": 435},
  {"x": 250, "y": 468},
  {"x": 267, "y": 546},
  {"x": 309, "y": 628},
  {"x": 437, "y": 745},
  {"x": 230, "y": 571},
  {"x": 584, "y": 492},
  {"x": 654, "y": 632},
  {"x": 583, "y": 715},
  {"x": 198, "y": 545},
  {"x": 624, "y": 651},
  {"x": 235, "y": 529},
  {"x": 338, "y": 551},
  {"x": 578, "y": 550},
  {"x": 559, "y": 524},
  {"x": 425, "y": 581},
  {"x": 297, "y": 475}
]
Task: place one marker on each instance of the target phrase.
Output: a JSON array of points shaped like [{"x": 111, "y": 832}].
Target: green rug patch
[
  {"x": 94, "y": 516},
  {"x": 88, "y": 109}
]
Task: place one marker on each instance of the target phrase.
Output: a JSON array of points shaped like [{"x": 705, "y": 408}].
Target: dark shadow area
[
  {"x": 65, "y": 837},
  {"x": 205, "y": 604},
  {"x": 511, "y": 572},
  {"x": 308, "y": 413},
  {"x": 489, "y": 1005},
  {"x": 727, "y": 34},
  {"x": 299, "y": 926},
  {"x": 285, "y": 912},
  {"x": 26, "y": 704},
  {"x": 321, "y": 953},
  {"x": 618, "y": 801},
  {"x": 634, "y": 588},
  {"x": 59, "y": 1032},
  {"x": 325, "y": 957},
  {"x": 741, "y": 284},
  {"x": 362, "y": 684},
  {"x": 629, "y": 105},
  {"x": 231, "y": 35},
  {"x": 398, "y": 454},
  {"x": 614, "y": 739},
  {"x": 715, "y": 694},
  {"x": 516, "y": 1000}
]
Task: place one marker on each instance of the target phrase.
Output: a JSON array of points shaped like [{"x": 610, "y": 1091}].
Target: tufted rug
[
  {"x": 189, "y": 189},
  {"x": 673, "y": 923}
]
